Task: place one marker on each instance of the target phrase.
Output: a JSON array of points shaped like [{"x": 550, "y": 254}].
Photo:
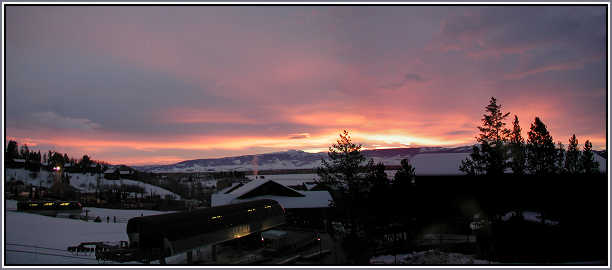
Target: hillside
[
  {"x": 296, "y": 159},
  {"x": 83, "y": 182}
]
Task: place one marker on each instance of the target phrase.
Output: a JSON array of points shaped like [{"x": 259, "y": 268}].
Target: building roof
[
  {"x": 225, "y": 190},
  {"x": 270, "y": 189},
  {"x": 110, "y": 171},
  {"x": 124, "y": 172},
  {"x": 248, "y": 188},
  {"x": 309, "y": 186},
  {"x": 274, "y": 234},
  {"x": 18, "y": 160}
]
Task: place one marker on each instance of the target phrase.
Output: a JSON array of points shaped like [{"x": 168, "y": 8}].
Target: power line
[
  {"x": 35, "y": 246},
  {"x": 49, "y": 254}
]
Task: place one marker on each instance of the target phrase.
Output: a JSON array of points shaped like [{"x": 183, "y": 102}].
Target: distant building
[
  {"x": 111, "y": 174},
  {"x": 303, "y": 208},
  {"x": 16, "y": 163},
  {"x": 15, "y": 187},
  {"x": 126, "y": 172}
]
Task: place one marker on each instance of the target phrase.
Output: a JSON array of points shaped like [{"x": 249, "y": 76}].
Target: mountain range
[{"x": 297, "y": 159}]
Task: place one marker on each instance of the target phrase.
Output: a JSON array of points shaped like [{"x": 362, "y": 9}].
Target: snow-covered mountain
[{"x": 296, "y": 159}]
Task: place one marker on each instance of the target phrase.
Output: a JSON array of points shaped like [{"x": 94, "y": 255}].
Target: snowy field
[
  {"x": 121, "y": 214},
  {"x": 83, "y": 182},
  {"x": 438, "y": 163},
  {"x": 37, "y": 239}
]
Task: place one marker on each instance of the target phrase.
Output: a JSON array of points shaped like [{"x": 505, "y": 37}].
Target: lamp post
[{"x": 320, "y": 247}]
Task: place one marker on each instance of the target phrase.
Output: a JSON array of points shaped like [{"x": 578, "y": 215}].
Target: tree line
[
  {"x": 369, "y": 202},
  {"x": 500, "y": 149},
  {"x": 34, "y": 159}
]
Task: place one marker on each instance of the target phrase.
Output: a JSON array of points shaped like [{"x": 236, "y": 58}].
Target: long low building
[{"x": 303, "y": 208}]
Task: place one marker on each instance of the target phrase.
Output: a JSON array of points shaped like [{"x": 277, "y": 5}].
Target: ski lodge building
[{"x": 307, "y": 209}]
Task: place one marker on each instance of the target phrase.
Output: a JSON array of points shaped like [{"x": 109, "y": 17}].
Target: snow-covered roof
[
  {"x": 124, "y": 172},
  {"x": 311, "y": 199},
  {"x": 44, "y": 164},
  {"x": 67, "y": 165},
  {"x": 255, "y": 184},
  {"x": 308, "y": 199},
  {"x": 274, "y": 234},
  {"x": 19, "y": 160},
  {"x": 309, "y": 186},
  {"x": 110, "y": 171},
  {"x": 93, "y": 165},
  {"x": 228, "y": 188}
]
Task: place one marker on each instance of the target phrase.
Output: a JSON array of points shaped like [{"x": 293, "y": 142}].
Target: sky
[{"x": 161, "y": 84}]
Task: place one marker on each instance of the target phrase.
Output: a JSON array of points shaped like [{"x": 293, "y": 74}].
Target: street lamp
[{"x": 320, "y": 243}]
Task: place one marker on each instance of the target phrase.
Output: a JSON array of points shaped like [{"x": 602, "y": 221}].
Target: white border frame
[{"x": 298, "y": 4}]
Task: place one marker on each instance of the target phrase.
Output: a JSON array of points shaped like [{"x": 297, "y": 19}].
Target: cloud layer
[{"x": 146, "y": 84}]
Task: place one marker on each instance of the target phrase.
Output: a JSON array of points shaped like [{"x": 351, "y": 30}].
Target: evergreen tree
[
  {"x": 405, "y": 175},
  {"x": 517, "y": 148},
  {"x": 84, "y": 162},
  {"x": 343, "y": 168},
  {"x": 345, "y": 158},
  {"x": 588, "y": 165},
  {"x": 560, "y": 160},
  {"x": 474, "y": 165},
  {"x": 24, "y": 153},
  {"x": 572, "y": 157},
  {"x": 379, "y": 192},
  {"x": 56, "y": 159},
  {"x": 12, "y": 150},
  {"x": 541, "y": 152},
  {"x": 376, "y": 175},
  {"x": 493, "y": 153},
  {"x": 403, "y": 192}
]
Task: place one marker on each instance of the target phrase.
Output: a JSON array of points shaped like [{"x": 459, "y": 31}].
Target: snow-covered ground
[
  {"x": 427, "y": 257},
  {"x": 530, "y": 216},
  {"x": 121, "y": 214},
  {"x": 438, "y": 163},
  {"x": 83, "y": 182},
  {"x": 37, "y": 239}
]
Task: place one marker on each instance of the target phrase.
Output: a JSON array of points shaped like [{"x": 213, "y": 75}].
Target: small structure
[
  {"x": 111, "y": 174},
  {"x": 274, "y": 240},
  {"x": 15, "y": 187},
  {"x": 17, "y": 163}
]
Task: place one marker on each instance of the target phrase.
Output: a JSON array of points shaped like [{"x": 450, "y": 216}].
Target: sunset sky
[{"x": 157, "y": 85}]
